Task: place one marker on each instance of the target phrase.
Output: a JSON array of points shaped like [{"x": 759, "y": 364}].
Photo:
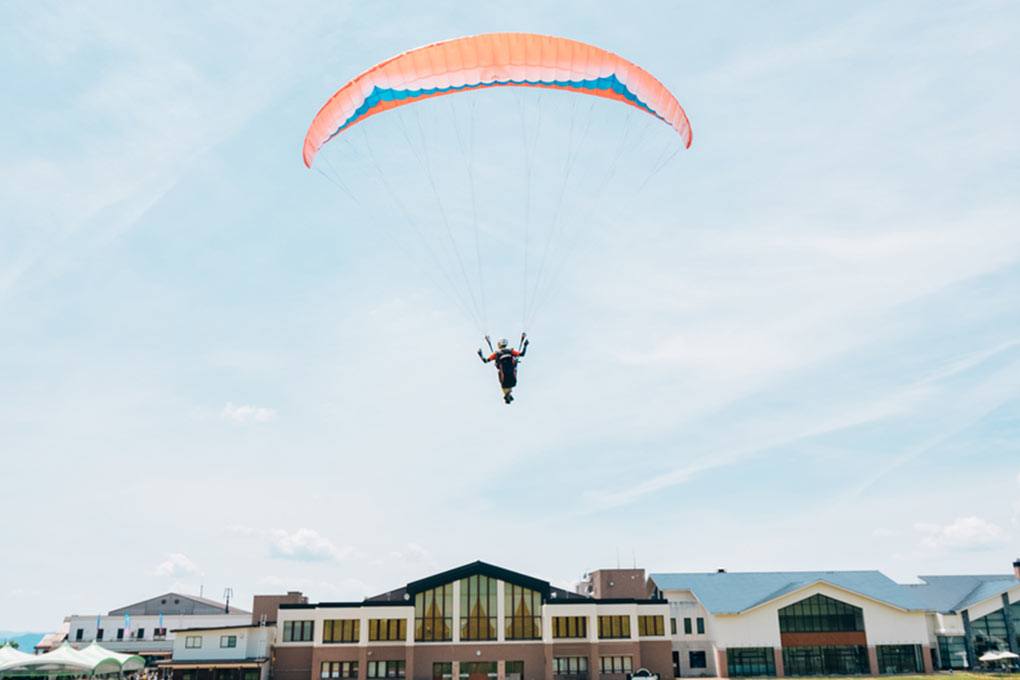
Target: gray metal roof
[
  {"x": 950, "y": 594},
  {"x": 732, "y": 593},
  {"x": 176, "y": 603}
]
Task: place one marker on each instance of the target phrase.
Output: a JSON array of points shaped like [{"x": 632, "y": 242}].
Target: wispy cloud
[
  {"x": 247, "y": 414},
  {"x": 965, "y": 533},
  {"x": 306, "y": 545},
  {"x": 175, "y": 565}
]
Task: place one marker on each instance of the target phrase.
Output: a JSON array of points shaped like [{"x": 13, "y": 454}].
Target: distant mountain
[{"x": 26, "y": 641}]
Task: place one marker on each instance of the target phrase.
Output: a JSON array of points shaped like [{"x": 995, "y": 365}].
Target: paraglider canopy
[{"x": 490, "y": 60}]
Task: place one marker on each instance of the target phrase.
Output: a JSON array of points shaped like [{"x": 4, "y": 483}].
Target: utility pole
[{"x": 227, "y": 594}]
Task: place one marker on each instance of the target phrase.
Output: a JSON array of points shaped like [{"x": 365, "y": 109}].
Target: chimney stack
[{"x": 1016, "y": 568}]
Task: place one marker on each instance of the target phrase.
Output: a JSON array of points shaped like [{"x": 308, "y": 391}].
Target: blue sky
[{"x": 800, "y": 350}]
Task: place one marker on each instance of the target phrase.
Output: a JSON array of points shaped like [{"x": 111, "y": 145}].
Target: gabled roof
[
  {"x": 732, "y": 593},
  {"x": 187, "y": 604},
  {"x": 480, "y": 568},
  {"x": 951, "y": 594}
]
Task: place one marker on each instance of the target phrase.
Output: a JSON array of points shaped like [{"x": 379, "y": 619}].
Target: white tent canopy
[
  {"x": 93, "y": 660},
  {"x": 997, "y": 656}
]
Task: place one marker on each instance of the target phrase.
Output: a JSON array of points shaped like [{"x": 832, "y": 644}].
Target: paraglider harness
[{"x": 506, "y": 361}]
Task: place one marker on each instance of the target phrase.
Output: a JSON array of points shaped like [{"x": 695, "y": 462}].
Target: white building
[
  {"x": 836, "y": 622},
  {"x": 221, "y": 653},
  {"x": 146, "y": 628},
  {"x": 795, "y": 623}
]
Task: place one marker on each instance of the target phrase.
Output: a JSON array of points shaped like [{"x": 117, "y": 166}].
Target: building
[
  {"x": 972, "y": 615},
  {"x": 221, "y": 653},
  {"x": 474, "y": 622},
  {"x": 238, "y": 652},
  {"x": 836, "y": 622},
  {"x": 795, "y": 623},
  {"x": 146, "y": 628}
]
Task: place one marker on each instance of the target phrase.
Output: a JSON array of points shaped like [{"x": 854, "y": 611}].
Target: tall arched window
[
  {"x": 523, "y": 613},
  {"x": 433, "y": 614},
  {"x": 820, "y": 614},
  {"x": 478, "y": 608}
]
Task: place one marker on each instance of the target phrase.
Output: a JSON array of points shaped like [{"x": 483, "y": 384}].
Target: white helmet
[{"x": 502, "y": 343}]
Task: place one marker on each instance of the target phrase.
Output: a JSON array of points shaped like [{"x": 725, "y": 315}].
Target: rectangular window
[
  {"x": 672, "y": 626},
  {"x": 751, "y": 661},
  {"x": 386, "y": 669},
  {"x": 339, "y": 669},
  {"x": 433, "y": 614},
  {"x": 228, "y": 641},
  {"x": 387, "y": 629},
  {"x": 478, "y": 608},
  {"x": 193, "y": 641},
  {"x": 570, "y": 626},
  {"x": 120, "y": 633},
  {"x": 78, "y": 633},
  {"x": 952, "y": 652},
  {"x": 442, "y": 670},
  {"x": 826, "y": 660},
  {"x": 514, "y": 670},
  {"x": 341, "y": 630},
  {"x": 570, "y": 665},
  {"x": 899, "y": 658},
  {"x": 251, "y": 674},
  {"x": 687, "y": 625},
  {"x": 477, "y": 670},
  {"x": 99, "y": 634},
  {"x": 523, "y": 613},
  {"x": 648, "y": 626},
  {"x": 701, "y": 626},
  {"x": 614, "y": 627},
  {"x": 159, "y": 633},
  {"x": 140, "y": 635},
  {"x": 297, "y": 631},
  {"x": 615, "y": 664},
  {"x": 697, "y": 659}
]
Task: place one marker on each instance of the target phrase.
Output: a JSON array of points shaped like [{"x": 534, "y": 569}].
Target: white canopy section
[
  {"x": 93, "y": 660},
  {"x": 9, "y": 654}
]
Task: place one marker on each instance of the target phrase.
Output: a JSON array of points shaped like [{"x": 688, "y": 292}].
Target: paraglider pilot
[{"x": 506, "y": 363}]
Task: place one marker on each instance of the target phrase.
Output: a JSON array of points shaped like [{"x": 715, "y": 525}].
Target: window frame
[
  {"x": 561, "y": 627},
  {"x": 607, "y": 621},
  {"x": 299, "y": 630},
  {"x": 341, "y": 631},
  {"x": 657, "y": 624}
]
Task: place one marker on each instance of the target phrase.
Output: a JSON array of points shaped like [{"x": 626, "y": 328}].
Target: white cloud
[
  {"x": 882, "y": 532},
  {"x": 966, "y": 533},
  {"x": 306, "y": 545},
  {"x": 411, "y": 552},
  {"x": 247, "y": 414},
  {"x": 177, "y": 564}
]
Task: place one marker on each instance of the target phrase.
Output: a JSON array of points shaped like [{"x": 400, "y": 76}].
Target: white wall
[
  {"x": 110, "y": 624},
  {"x": 253, "y": 642},
  {"x": 759, "y": 627}
]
